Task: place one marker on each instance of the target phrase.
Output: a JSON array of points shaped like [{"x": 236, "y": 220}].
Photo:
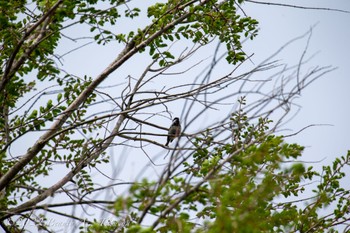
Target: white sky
[{"x": 325, "y": 101}]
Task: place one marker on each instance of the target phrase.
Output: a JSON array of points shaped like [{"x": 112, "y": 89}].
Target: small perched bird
[{"x": 174, "y": 131}]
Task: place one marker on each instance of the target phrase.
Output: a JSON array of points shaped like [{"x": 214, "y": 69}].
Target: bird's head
[{"x": 176, "y": 121}]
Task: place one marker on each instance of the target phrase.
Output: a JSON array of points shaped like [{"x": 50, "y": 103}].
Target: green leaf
[
  {"x": 59, "y": 97},
  {"x": 33, "y": 115}
]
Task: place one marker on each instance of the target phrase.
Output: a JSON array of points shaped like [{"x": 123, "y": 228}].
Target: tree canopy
[{"x": 62, "y": 126}]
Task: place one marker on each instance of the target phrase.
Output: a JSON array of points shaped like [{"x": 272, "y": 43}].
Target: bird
[{"x": 174, "y": 131}]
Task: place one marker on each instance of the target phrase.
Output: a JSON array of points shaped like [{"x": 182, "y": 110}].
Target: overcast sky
[{"x": 327, "y": 100}]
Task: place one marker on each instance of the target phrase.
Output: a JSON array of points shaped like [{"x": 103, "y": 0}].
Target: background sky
[{"x": 326, "y": 101}]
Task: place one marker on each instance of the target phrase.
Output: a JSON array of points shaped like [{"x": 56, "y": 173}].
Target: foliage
[{"x": 231, "y": 188}]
